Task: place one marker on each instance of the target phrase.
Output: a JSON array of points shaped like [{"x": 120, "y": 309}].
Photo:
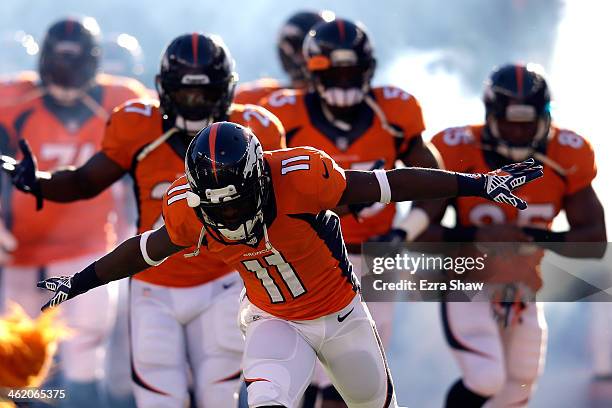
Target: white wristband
[
  {"x": 414, "y": 223},
  {"x": 383, "y": 182},
  {"x": 143, "y": 250}
]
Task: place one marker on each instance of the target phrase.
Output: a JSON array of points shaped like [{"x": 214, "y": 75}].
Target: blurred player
[
  {"x": 289, "y": 46},
  {"x": 265, "y": 215},
  {"x": 500, "y": 350},
  {"x": 62, "y": 112},
  {"x": 182, "y": 313},
  {"x": 361, "y": 127}
]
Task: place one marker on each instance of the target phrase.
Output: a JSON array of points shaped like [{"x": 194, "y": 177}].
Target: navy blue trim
[
  {"x": 178, "y": 144},
  {"x": 290, "y": 134},
  {"x": 77, "y": 114},
  {"x": 327, "y": 226},
  {"x": 364, "y": 118},
  {"x": 20, "y": 121}
]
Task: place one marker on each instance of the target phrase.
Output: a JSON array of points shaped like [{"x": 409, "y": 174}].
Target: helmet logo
[
  {"x": 253, "y": 155},
  {"x": 195, "y": 79}
]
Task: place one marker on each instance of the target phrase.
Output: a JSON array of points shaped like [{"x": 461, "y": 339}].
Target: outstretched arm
[
  {"x": 64, "y": 185},
  {"x": 132, "y": 256},
  {"x": 412, "y": 183}
]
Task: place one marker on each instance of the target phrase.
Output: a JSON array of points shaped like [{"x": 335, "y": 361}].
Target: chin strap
[
  {"x": 197, "y": 250},
  {"x": 269, "y": 246},
  {"x": 155, "y": 144}
]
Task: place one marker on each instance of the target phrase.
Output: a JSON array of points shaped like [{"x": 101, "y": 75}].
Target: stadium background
[{"x": 440, "y": 51}]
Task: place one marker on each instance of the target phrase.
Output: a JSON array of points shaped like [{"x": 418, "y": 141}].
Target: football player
[
  {"x": 359, "y": 126},
  {"x": 182, "y": 313},
  {"x": 500, "y": 363},
  {"x": 265, "y": 215},
  {"x": 289, "y": 46},
  {"x": 61, "y": 111}
]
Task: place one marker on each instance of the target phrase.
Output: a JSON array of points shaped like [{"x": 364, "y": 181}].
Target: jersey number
[
  {"x": 534, "y": 215},
  {"x": 66, "y": 154},
  {"x": 284, "y": 269}
]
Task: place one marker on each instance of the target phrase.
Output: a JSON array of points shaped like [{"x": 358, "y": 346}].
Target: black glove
[
  {"x": 61, "y": 285},
  {"x": 24, "y": 175},
  {"x": 500, "y": 183},
  {"x": 356, "y": 209}
]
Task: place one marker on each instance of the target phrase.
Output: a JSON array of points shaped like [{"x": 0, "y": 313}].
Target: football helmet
[
  {"x": 340, "y": 61},
  {"x": 517, "y": 104},
  {"x": 229, "y": 186},
  {"x": 69, "y": 57},
  {"x": 291, "y": 38},
  {"x": 196, "y": 81}
]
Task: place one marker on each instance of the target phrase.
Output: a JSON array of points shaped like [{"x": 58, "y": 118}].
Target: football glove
[
  {"x": 24, "y": 174},
  {"x": 500, "y": 183},
  {"x": 62, "y": 288}
]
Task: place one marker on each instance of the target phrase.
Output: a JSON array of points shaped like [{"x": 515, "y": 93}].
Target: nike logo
[
  {"x": 228, "y": 285},
  {"x": 341, "y": 318},
  {"x": 326, "y": 174}
]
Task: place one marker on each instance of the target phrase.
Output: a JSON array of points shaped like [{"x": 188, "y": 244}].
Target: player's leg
[
  {"x": 159, "y": 363},
  {"x": 473, "y": 335},
  {"x": 352, "y": 345},
  {"x": 215, "y": 345},
  {"x": 277, "y": 362},
  {"x": 525, "y": 349}
]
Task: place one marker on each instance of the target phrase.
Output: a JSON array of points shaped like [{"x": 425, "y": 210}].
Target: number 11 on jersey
[{"x": 284, "y": 269}]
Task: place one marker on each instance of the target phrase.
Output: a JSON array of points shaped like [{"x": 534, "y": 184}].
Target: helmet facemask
[{"x": 196, "y": 106}]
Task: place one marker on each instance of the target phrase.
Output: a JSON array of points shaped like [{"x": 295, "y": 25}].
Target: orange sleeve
[
  {"x": 182, "y": 224},
  {"x": 253, "y": 92},
  {"x": 264, "y": 124},
  {"x": 576, "y": 155},
  {"x": 122, "y": 137},
  {"x": 401, "y": 109},
  {"x": 453, "y": 145},
  {"x": 311, "y": 181}
]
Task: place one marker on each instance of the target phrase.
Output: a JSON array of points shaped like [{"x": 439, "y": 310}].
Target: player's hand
[
  {"x": 500, "y": 183},
  {"x": 8, "y": 244},
  {"x": 61, "y": 286},
  {"x": 24, "y": 174}
]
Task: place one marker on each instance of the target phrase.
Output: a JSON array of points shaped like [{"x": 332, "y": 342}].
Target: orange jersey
[
  {"x": 59, "y": 136},
  {"x": 359, "y": 148},
  {"x": 255, "y": 91},
  {"x": 460, "y": 150},
  {"x": 136, "y": 125},
  {"x": 304, "y": 273}
]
